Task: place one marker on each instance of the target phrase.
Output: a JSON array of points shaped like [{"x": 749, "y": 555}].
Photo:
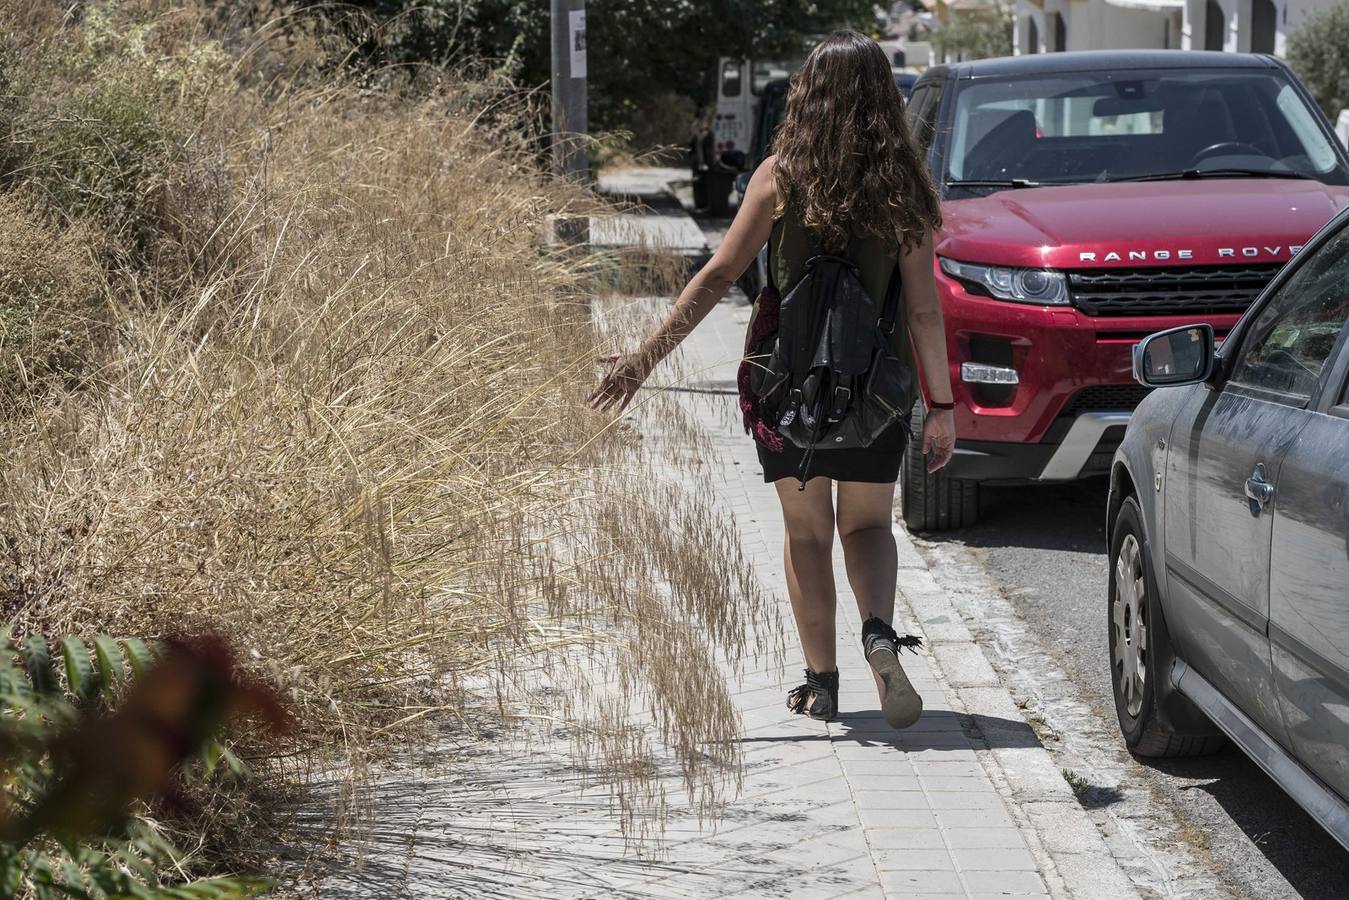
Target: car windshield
[{"x": 1134, "y": 125}]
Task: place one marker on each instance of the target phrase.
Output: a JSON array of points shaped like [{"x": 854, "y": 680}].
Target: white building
[{"x": 1248, "y": 26}]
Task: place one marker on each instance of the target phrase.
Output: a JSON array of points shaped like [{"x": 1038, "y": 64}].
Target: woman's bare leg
[
  {"x": 808, "y": 557},
  {"x": 865, "y": 513}
]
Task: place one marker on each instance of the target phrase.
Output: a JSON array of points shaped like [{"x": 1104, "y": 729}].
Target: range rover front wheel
[{"x": 932, "y": 502}]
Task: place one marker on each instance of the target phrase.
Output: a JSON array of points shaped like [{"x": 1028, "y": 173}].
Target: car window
[
  {"x": 1293, "y": 336},
  {"x": 922, "y": 113}
]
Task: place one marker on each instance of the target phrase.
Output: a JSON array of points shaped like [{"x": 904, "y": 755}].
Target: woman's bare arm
[
  {"x": 928, "y": 333},
  {"x": 746, "y": 237}
]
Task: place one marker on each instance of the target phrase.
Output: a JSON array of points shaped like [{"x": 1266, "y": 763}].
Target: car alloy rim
[{"x": 1128, "y": 615}]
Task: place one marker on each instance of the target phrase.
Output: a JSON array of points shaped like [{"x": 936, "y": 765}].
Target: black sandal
[
  {"x": 900, "y": 703},
  {"x": 824, "y": 687}
]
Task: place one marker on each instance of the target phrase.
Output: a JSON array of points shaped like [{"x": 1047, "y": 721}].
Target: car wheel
[
  {"x": 1139, "y": 645},
  {"x": 932, "y": 502}
]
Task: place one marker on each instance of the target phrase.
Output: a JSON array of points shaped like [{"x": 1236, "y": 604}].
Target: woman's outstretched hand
[
  {"x": 939, "y": 438},
  {"x": 620, "y": 382}
]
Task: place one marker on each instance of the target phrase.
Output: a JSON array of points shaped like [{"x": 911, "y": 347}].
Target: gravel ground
[{"x": 1043, "y": 547}]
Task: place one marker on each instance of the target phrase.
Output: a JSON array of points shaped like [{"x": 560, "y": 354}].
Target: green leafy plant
[
  {"x": 977, "y": 33},
  {"x": 1316, "y": 53},
  {"x": 73, "y": 765}
]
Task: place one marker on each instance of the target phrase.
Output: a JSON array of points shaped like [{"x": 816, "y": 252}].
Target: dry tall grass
[{"x": 339, "y": 414}]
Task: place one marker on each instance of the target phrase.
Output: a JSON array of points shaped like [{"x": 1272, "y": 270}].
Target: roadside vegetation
[
  {"x": 1316, "y": 51},
  {"x": 286, "y": 358},
  {"x": 651, "y": 62},
  {"x": 979, "y": 33}
]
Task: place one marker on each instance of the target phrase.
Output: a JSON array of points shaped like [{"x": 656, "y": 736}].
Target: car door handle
[{"x": 1258, "y": 490}]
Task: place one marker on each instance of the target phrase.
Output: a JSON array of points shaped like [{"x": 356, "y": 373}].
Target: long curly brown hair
[{"x": 846, "y": 159}]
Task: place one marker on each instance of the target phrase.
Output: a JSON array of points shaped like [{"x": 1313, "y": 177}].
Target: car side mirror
[{"x": 1179, "y": 356}]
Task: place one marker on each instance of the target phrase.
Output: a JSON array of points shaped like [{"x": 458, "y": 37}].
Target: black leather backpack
[{"x": 826, "y": 377}]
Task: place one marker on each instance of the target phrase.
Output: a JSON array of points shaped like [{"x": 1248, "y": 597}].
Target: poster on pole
[{"x": 576, "y": 33}]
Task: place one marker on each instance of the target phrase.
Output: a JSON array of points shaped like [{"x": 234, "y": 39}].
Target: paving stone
[
  {"x": 889, "y": 764},
  {"x": 886, "y": 842},
  {"x": 922, "y": 860},
  {"x": 1014, "y": 859},
  {"x": 974, "y": 818},
  {"x": 870, "y": 799},
  {"x": 913, "y": 884},
  {"x": 983, "y": 838},
  {"x": 1005, "y": 883},
  {"x": 898, "y": 818},
  {"x": 964, "y": 785},
  {"x": 948, "y": 768}
]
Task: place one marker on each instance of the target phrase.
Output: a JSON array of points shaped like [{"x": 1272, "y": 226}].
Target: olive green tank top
[{"x": 791, "y": 246}]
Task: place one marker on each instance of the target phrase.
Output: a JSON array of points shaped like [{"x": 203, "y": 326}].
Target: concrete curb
[{"x": 1074, "y": 858}]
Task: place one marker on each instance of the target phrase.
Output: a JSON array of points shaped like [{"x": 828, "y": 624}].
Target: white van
[{"x": 719, "y": 150}]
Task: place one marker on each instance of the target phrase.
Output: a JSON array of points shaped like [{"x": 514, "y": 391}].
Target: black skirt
[{"x": 877, "y": 464}]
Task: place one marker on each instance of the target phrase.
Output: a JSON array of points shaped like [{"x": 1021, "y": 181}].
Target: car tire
[
  {"x": 936, "y": 501},
  {"x": 1139, "y": 647}
]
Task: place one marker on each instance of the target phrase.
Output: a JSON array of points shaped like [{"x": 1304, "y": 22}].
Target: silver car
[{"x": 1228, "y": 530}]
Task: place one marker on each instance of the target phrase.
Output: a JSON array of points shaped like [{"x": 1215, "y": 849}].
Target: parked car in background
[
  {"x": 1091, "y": 199},
  {"x": 1228, "y": 535},
  {"x": 719, "y": 151},
  {"x": 905, "y": 82}
]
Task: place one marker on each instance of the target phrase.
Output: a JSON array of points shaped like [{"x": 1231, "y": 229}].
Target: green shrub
[
  {"x": 977, "y": 33},
  {"x": 1317, "y": 52},
  {"x": 60, "y": 761}
]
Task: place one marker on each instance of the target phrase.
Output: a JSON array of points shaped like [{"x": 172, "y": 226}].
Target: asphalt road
[{"x": 1044, "y": 546}]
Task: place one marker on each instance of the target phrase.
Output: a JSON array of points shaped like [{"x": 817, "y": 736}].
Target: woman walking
[{"x": 846, "y": 180}]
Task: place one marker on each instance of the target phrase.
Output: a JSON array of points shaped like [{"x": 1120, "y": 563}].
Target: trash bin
[{"x": 719, "y": 184}]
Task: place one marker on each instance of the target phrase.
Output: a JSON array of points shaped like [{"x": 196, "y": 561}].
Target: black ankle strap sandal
[
  {"x": 877, "y": 635},
  {"x": 823, "y": 687},
  {"x": 900, "y": 703}
]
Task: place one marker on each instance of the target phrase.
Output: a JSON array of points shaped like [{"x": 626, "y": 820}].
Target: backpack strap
[
  {"x": 890, "y": 310},
  {"x": 772, "y": 281}
]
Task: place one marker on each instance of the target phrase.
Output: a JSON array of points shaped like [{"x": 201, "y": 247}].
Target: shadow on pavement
[
  {"x": 936, "y": 730},
  {"x": 1067, "y": 517},
  {"x": 1313, "y": 862}
]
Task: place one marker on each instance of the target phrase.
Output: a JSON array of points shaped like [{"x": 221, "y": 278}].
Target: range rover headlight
[{"x": 1039, "y": 286}]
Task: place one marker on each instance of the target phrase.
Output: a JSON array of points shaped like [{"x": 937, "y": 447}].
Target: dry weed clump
[
  {"x": 49, "y": 290},
  {"x": 356, "y": 443}
]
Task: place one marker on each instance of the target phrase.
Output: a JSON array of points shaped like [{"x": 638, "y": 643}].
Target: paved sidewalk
[{"x": 964, "y": 804}]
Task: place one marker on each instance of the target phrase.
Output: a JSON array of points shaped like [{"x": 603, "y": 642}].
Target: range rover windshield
[{"x": 1134, "y": 126}]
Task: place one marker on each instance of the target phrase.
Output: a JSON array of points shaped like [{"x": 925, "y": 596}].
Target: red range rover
[{"x": 1091, "y": 199}]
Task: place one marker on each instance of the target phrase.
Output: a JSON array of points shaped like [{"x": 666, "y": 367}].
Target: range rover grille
[{"x": 1160, "y": 292}]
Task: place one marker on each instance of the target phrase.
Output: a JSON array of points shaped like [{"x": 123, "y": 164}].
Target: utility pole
[{"x": 569, "y": 88}]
